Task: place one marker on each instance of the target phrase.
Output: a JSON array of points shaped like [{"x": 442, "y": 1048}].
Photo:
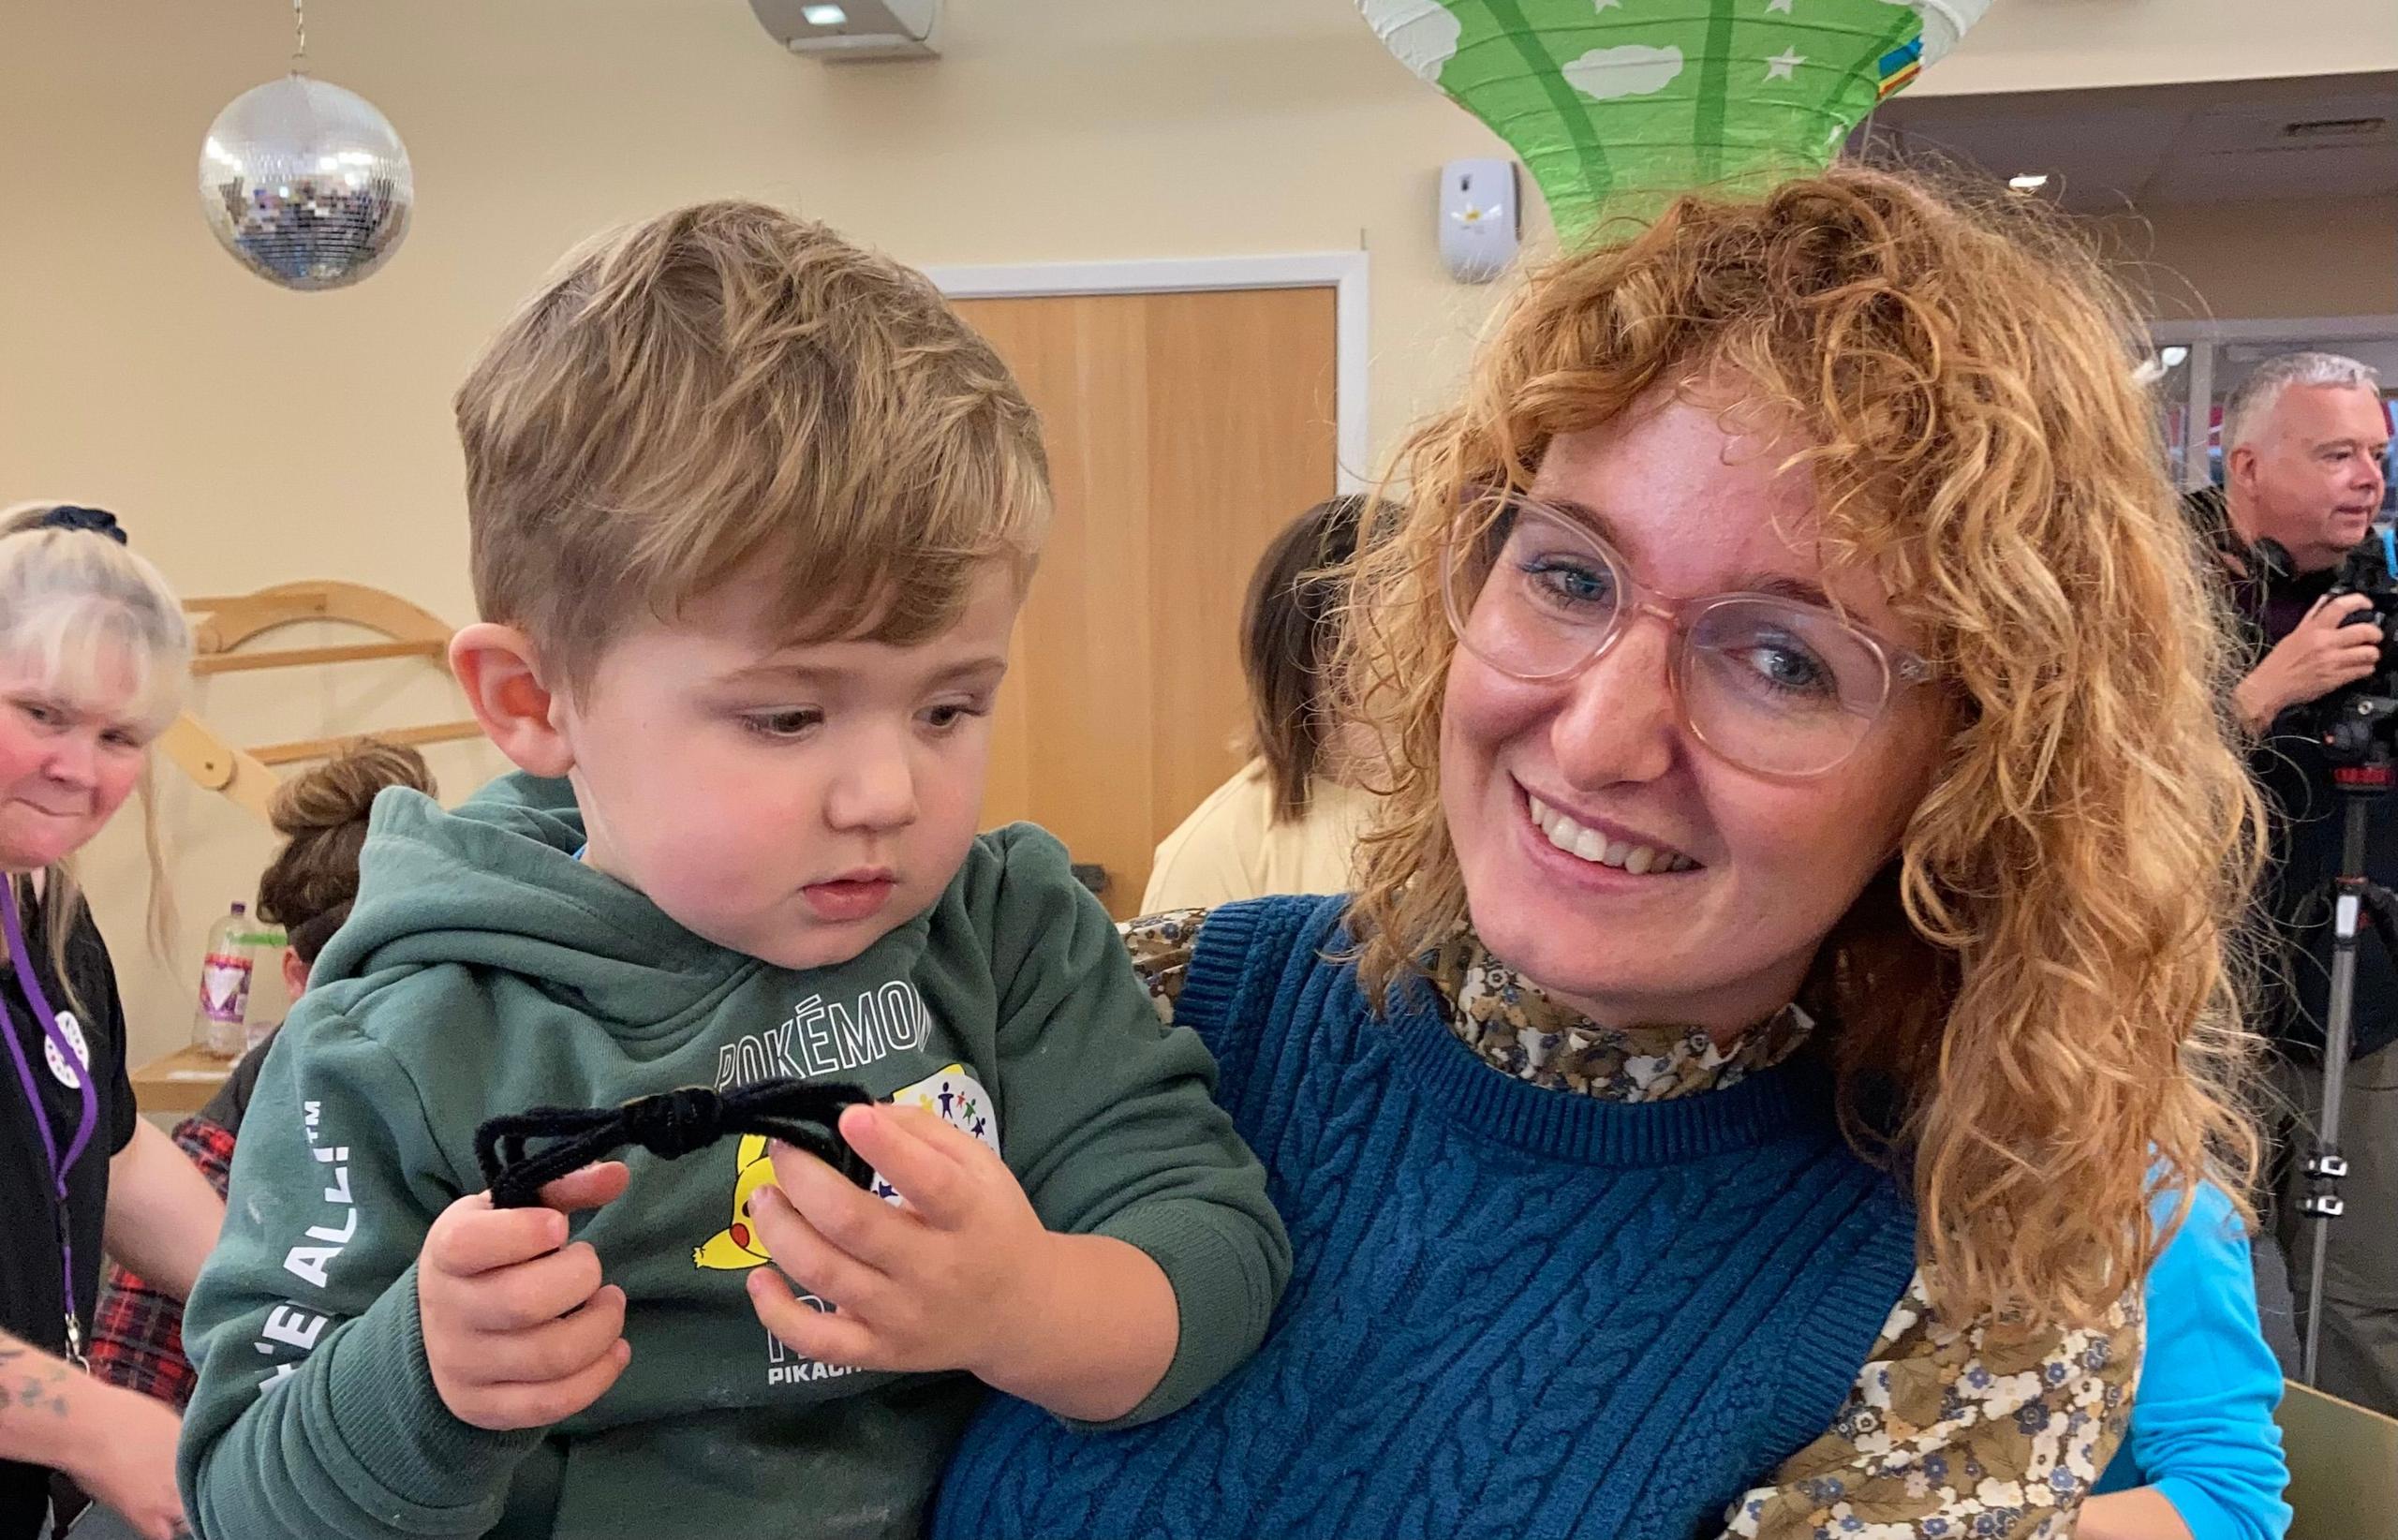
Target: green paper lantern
[{"x": 1618, "y": 105}]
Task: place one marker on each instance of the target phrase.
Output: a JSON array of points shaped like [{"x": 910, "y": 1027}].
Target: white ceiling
[{"x": 2145, "y": 146}]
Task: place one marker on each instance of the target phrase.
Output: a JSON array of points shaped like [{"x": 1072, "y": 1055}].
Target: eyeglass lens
[{"x": 1778, "y": 686}]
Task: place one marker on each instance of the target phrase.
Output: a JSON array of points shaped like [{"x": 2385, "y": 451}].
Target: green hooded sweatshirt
[{"x": 485, "y": 969}]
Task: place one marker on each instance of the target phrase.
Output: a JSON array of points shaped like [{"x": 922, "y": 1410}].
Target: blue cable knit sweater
[{"x": 1515, "y": 1311}]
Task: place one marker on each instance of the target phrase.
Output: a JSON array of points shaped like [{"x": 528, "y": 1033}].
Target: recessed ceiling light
[
  {"x": 2031, "y": 182},
  {"x": 2335, "y": 129},
  {"x": 824, "y": 16}
]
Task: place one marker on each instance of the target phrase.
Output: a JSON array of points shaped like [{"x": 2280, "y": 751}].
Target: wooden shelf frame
[{"x": 222, "y": 624}]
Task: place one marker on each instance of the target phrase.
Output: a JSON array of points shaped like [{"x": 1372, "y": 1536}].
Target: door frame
[{"x": 1343, "y": 272}]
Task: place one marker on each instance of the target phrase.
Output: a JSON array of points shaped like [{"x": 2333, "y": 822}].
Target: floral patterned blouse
[{"x": 1944, "y": 1435}]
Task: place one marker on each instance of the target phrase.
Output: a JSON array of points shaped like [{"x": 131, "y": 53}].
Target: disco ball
[{"x": 305, "y": 183}]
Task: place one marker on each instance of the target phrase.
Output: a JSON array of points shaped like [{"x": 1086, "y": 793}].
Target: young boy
[{"x": 752, "y": 514}]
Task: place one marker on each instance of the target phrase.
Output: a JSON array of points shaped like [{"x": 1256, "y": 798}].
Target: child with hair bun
[{"x": 137, "y": 1333}]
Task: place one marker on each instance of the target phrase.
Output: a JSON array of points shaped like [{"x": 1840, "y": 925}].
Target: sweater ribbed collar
[
  {"x": 1789, "y": 1099},
  {"x": 1766, "y": 1102}
]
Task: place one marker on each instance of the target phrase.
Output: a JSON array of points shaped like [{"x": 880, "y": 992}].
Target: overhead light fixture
[
  {"x": 2155, "y": 367},
  {"x": 839, "y": 30},
  {"x": 2335, "y": 129},
  {"x": 2030, "y": 181}
]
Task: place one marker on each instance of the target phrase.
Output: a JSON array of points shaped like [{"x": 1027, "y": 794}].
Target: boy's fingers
[
  {"x": 811, "y": 1332},
  {"x": 511, "y": 1406},
  {"x": 588, "y": 1188},
  {"x": 530, "y": 1294},
  {"x": 556, "y": 1349},
  {"x": 814, "y": 1263},
  {"x": 856, "y": 1223},
  {"x": 472, "y": 1237},
  {"x": 936, "y": 1131},
  {"x": 918, "y": 1154}
]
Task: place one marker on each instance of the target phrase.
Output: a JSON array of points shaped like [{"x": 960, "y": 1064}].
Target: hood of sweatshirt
[{"x": 498, "y": 884}]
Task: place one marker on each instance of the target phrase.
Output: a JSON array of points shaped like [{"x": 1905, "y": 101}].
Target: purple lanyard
[{"x": 83, "y": 1125}]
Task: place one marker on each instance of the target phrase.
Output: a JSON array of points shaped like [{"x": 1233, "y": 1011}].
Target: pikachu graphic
[
  {"x": 952, "y": 1093},
  {"x": 737, "y": 1246}
]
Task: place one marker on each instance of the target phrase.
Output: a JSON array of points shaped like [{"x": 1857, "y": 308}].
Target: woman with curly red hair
[{"x": 1796, "y": 928}]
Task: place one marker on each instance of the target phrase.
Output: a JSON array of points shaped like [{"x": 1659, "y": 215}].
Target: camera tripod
[{"x": 2355, "y": 900}]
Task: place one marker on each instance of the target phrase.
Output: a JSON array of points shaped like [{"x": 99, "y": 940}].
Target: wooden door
[{"x": 1184, "y": 431}]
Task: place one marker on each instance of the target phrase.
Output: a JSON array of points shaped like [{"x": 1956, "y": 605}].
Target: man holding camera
[{"x": 2304, "y": 441}]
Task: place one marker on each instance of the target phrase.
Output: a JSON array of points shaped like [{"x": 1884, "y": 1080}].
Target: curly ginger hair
[{"x": 2037, "y": 1003}]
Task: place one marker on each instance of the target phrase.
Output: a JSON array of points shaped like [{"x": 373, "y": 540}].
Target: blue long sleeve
[{"x": 2202, "y": 1429}]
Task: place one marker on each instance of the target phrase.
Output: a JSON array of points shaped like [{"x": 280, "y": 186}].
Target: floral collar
[{"x": 1505, "y": 1018}]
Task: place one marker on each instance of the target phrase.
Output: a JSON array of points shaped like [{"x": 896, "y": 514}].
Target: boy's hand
[
  {"x": 965, "y": 1275},
  {"x": 948, "y": 1282},
  {"x": 518, "y": 1330}
]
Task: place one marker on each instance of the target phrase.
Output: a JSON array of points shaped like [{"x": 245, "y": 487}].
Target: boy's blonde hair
[{"x": 727, "y": 386}]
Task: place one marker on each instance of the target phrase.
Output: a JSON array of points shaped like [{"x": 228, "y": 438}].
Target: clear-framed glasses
[{"x": 1773, "y": 685}]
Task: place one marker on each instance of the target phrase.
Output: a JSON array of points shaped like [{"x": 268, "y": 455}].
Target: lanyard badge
[{"x": 61, "y": 1166}]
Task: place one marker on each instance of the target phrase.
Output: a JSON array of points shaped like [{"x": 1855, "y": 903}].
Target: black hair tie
[
  {"x": 93, "y": 521},
  {"x": 675, "y": 1123},
  {"x": 309, "y": 937}
]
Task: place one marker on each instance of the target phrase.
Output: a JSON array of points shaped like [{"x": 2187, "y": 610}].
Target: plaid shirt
[{"x": 137, "y": 1332}]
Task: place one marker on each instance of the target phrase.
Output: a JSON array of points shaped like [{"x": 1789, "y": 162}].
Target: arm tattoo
[{"x": 31, "y": 1381}]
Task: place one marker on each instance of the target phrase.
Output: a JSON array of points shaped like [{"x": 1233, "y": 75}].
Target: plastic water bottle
[
  {"x": 216, "y": 1027},
  {"x": 270, "y": 997}
]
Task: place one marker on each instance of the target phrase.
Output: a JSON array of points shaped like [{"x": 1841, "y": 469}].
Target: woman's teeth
[{"x": 1591, "y": 845}]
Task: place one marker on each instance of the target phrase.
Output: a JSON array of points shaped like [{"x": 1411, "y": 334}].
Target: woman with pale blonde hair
[
  {"x": 1796, "y": 930},
  {"x": 93, "y": 653}
]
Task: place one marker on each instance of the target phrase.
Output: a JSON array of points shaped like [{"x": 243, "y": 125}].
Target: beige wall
[
  {"x": 252, "y": 436},
  {"x": 2319, "y": 258}
]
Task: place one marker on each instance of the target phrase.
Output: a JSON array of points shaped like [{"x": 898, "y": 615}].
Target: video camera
[{"x": 2356, "y": 722}]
